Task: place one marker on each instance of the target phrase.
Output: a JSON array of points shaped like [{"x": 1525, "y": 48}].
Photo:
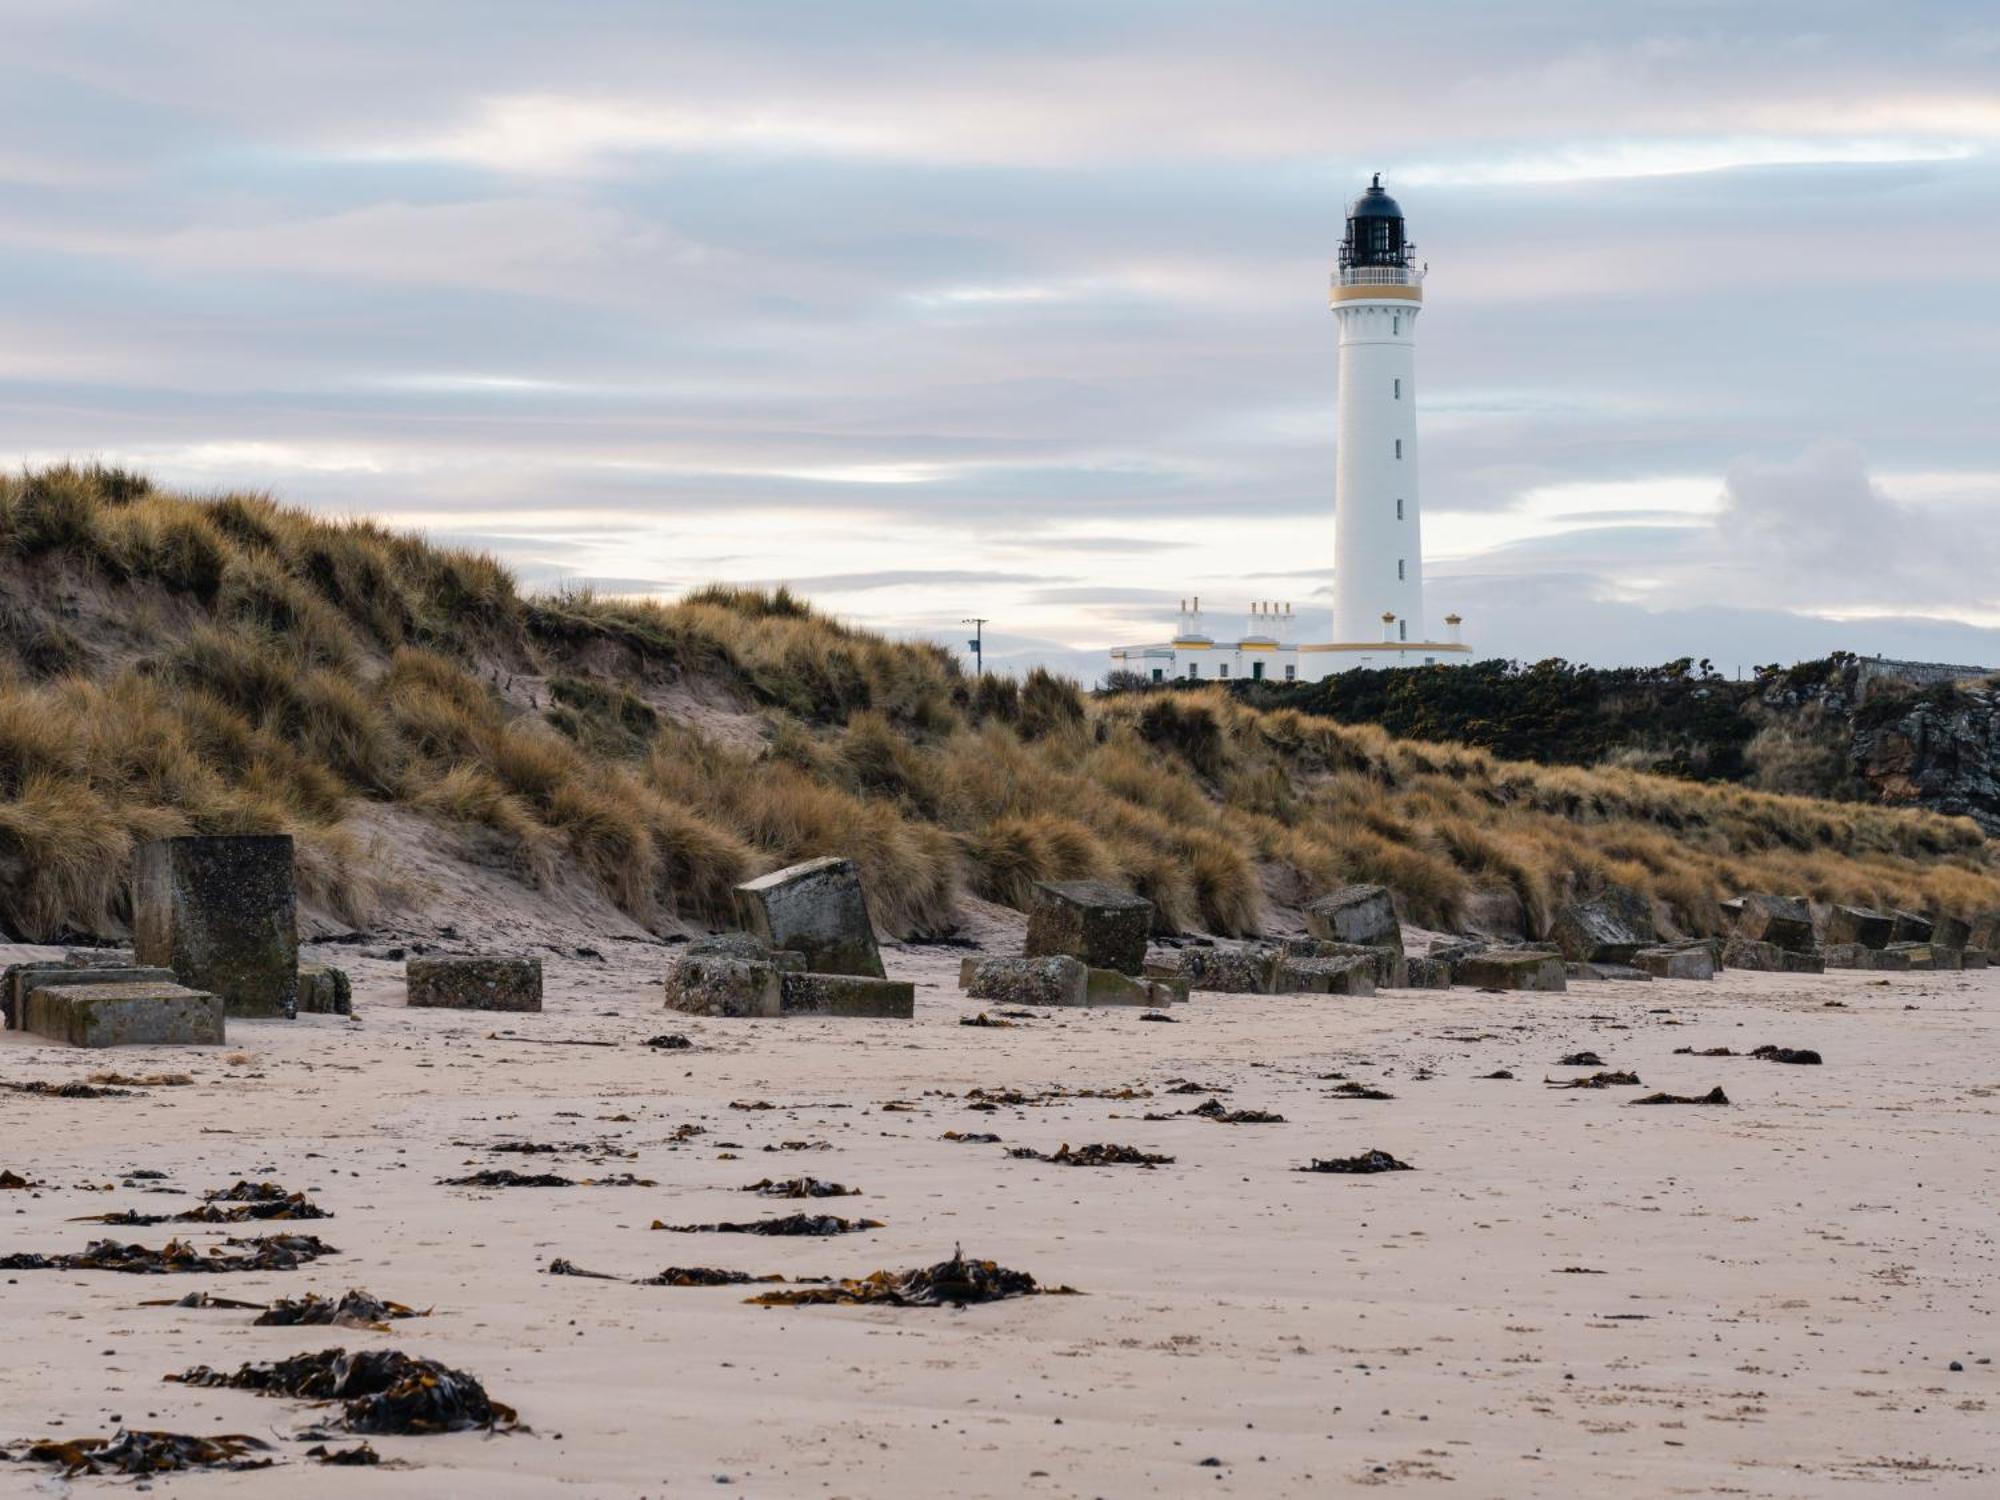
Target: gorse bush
[{"x": 172, "y": 665}]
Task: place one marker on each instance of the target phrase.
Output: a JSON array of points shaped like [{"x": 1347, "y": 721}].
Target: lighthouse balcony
[{"x": 1379, "y": 276}]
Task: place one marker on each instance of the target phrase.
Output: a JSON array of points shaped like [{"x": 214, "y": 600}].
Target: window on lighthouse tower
[
  {"x": 1399, "y": 447},
  {"x": 1399, "y": 389}
]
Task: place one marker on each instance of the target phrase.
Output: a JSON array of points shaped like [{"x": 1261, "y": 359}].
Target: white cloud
[{"x": 1667, "y": 157}]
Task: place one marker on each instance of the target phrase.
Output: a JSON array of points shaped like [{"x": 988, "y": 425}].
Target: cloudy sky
[{"x": 1018, "y": 309}]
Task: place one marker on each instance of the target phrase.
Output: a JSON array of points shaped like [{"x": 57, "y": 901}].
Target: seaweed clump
[
  {"x": 800, "y": 1187},
  {"x": 791, "y": 1224},
  {"x": 272, "y": 1252},
  {"x": 380, "y": 1390},
  {"x": 1093, "y": 1156},
  {"x": 1367, "y": 1162},
  {"x": 352, "y": 1309},
  {"x": 954, "y": 1283},
  {"x": 127, "y": 1452},
  {"x": 1596, "y": 1081},
  {"x": 1713, "y": 1096}
]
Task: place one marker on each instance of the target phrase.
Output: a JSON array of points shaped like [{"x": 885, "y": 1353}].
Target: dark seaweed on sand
[
  {"x": 950, "y": 1283},
  {"x": 1595, "y": 1081},
  {"x": 381, "y": 1390},
  {"x": 128, "y": 1452},
  {"x": 791, "y": 1224},
  {"x": 274, "y": 1252},
  {"x": 1353, "y": 1090},
  {"x": 800, "y": 1187},
  {"x": 1367, "y": 1162},
  {"x": 1713, "y": 1096},
  {"x": 1094, "y": 1156},
  {"x": 507, "y": 1177},
  {"x": 352, "y": 1309}
]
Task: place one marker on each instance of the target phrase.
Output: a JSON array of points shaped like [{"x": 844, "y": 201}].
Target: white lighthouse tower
[{"x": 1378, "y": 549}]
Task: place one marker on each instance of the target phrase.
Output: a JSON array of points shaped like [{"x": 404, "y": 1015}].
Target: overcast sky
[{"x": 1019, "y": 309}]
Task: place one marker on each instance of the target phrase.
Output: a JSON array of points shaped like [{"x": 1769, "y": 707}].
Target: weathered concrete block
[
  {"x": 701, "y": 985},
  {"x": 1858, "y": 924},
  {"x": 1391, "y": 970},
  {"x": 1783, "y": 920},
  {"x": 1056, "y": 979},
  {"x": 855, "y": 995},
  {"x": 1327, "y": 976},
  {"x": 1675, "y": 963},
  {"x": 152, "y": 1013},
  {"x": 1974, "y": 958},
  {"x": 1231, "y": 971},
  {"x": 1110, "y": 987},
  {"x": 324, "y": 991},
  {"x": 1748, "y": 953},
  {"x": 816, "y": 909},
  {"x": 1844, "y": 956},
  {"x": 1090, "y": 920},
  {"x": 474, "y": 982},
  {"x": 1804, "y": 963},
  {"x": 1607, "y": 928},
  {"x": 1911, "y": 928},
  {"x": 1606, "y": 972},
  {"x": 1928, "y": 955},
  {"x": 1171, "y": 990},
  {"x": 17, "y": 979},
  {"x": 221, "y": 912},
  {"x": 1501, "y": 969},
  {"x": 1427, "y": 974},
  {"x": 1356, "y": 914},
  {"x": 1948, "y": 931},
  {"x": 1984, "y": 932},
  {"x": 1892, "y": 960}
]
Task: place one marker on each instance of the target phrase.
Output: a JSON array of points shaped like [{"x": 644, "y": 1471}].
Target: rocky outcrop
[{"x": 1939, "y": 750}]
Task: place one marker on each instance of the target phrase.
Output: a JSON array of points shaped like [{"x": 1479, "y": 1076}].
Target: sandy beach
[{"x": 1568, "y": 1296}]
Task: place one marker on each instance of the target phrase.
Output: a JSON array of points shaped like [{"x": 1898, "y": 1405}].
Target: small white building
[
  {"x": 1268, "y": 649},
  {"x": 1378, "y": 574}
]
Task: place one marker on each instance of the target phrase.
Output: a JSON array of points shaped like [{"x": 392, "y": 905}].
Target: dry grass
[{"x": 296, "y": 667}]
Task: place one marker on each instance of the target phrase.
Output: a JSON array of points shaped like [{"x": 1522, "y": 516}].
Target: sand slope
[{"x": 1783, "y": 1282}]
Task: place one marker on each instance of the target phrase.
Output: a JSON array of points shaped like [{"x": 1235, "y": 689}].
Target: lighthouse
[
  {"x": 1378, "y": 545},
  {"x": 1378, "y": 555}
]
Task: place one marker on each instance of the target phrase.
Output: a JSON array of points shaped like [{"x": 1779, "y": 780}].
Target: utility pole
[{"x": 977, "y": 643}]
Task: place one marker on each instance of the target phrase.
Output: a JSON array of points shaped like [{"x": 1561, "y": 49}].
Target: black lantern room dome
[{"x": 1375, "y": 234}]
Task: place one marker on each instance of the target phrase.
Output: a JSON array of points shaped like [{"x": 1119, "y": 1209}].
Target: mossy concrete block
[
  {"x": 1948, "y": 931},
  {"x": 1168, "y": 989},
  {"x": 1391, "y": 970},
  {"x": 1607, "y": 928},
  {"x": 325, "y": 991},
  {"x": 1804, "y": 963},
  {"x": 1057, "y": 979},
  {"x": 700, "y": 984},
  {"x": 1749, "y": 953},
  {"x": 1858, "y": 924},
  {"x": 1231, "y": 971},
  {"x": 1327, "y": 976},
  {"x": 1984, "y": 932},
  {"x": 1356, "y": 914},
  {"x": 221, "y": 912},
  {"x": 1110, "y": 987},
  {"x": 1092, "y": 921},
  {"x": 1845, "y": 956},
  {"x": 17, "y": 979},
  {"x": 1608, "y": 973},
  {"x": 816, "y": 909},
  {"x": 1427, "y": 973},
  {"x": 1676, "y": 963},
  {"x": 854, "y": 995},
  {"x": 474, "y": 982},
  {"x": 139, "y": 1013},
  {"x": 1499, "y": 969},
  {"x": 1974, "y": 958},
  {"x": 1910, "y": 927},
  {"x": 1783, "y": 920},
  {"x": 1888, "y": 960}
]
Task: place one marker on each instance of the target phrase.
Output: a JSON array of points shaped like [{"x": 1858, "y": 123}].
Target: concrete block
[
  {"x": 474, "y": 982},
  {"x": 221, "y": 912},
  {"x": 1675, "y": 963},
  {"x": 324, "y": 991},
  {"x": 1110, "y": 987},
  {"x": 700, "y": 985},
  {"x": 1748, "y": 953},
  {"x": 1804, "y": 963},
  {"x": 1783, "y": 920},
  {"x": 1581, "y": 972},
  {"x": 1858, "y": 924},
  {"x": 17, "y": 979},
  {"x": 1974, "y": 958},
  {"x": 1356, "y": 914},
  {"x": 1607, "y": 928},
  {"x": 1090, "y": 920},
  {"x": 1948, "y": 931},
  {"x": 1427, "y": 974},
  {"x": 1845, "y": 956},
  {"x": 1390, "y": 969},
  {"x": 1057, "y": 979},
  {"x": 1231, "y": 971},
  {"x": 138, "y": 1013},
  {"x": 856, "y": 995},
  {"x": 1911, "y": 928},
  {"x": 1172, "y": 990},
  {"x": 1500, "y": 969},
  {"x": 1327, "y": 976},
  {"x": 816, "y": 909},
  {"x": 1891, "y": 960},
  {"x": 1984, "y": 932}
]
